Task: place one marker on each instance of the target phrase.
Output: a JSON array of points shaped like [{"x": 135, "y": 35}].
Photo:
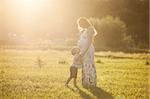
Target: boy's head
[{"x": 75, "y": 50}]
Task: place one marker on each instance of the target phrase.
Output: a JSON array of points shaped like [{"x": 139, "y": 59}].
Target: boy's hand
[
  {"x": 80, "y": 57},
  {"x": 81, "y": 54}
]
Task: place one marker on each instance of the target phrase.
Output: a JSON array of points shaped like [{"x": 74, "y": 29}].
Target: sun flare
[{"x": 25, "y": 5}]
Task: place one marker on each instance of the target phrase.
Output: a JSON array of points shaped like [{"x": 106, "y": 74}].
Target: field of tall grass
[{"x": 42, "y": 73}]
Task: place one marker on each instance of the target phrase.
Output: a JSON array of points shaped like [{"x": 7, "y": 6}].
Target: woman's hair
[{"x": 88, "y": 22}]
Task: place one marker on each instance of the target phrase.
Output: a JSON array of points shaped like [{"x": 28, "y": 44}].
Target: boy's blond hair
[{"x": 74, "y": 49}]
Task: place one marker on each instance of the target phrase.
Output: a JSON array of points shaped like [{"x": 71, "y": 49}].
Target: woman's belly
[{"x": 89, "y": 56}]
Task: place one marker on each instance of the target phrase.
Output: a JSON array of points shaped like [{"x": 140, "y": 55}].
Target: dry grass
[{"x": 21, "y": 76}]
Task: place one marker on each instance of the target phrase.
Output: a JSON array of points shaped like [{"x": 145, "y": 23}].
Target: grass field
[{"x": 41, "y": 74}]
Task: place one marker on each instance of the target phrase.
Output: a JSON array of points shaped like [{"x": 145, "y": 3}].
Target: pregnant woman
[{"x": 85, "y": 43}]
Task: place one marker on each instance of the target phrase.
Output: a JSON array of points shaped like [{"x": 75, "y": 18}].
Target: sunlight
[
  {"x": 29, "y": 3},
  {"x": 49, "y": 49},
  {"x": 25, "y": 15},
  {"x": 35, "y": 17},
  {"x": 25, "y": 5}
]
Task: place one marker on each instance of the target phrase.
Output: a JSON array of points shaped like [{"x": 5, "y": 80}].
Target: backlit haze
[{"x": 37, "y": 19}]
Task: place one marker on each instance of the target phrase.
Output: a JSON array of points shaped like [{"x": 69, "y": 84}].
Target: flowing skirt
[
  {"x": 88, "y": 70},
  {"x": 89, "y": 75}
]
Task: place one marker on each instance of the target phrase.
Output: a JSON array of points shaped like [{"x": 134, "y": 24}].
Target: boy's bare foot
[
  {"x": 76, "y": 89},
  {"x": 66, "y": 85}
]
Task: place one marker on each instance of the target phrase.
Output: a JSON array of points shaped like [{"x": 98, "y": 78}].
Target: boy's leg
[
  {"x": 75, "y": 77},
  {"x": 69, "y": 77},
  {"x": 68, "y": 80},
  {"x": 75, "y": 84}
]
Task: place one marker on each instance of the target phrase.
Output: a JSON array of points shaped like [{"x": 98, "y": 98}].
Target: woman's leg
[
  {"x": 93, "y": 76},
  {"x": 85, "y": 76},
  {"x": 89, "y": 76}
]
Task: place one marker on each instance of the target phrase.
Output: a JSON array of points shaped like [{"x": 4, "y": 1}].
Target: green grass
[{"x": 21, "y": 76}]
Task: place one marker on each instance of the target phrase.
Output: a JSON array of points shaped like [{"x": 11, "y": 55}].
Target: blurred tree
[
  {"x": 135, "y": 13},
  {"x": 112, "y": 33}
]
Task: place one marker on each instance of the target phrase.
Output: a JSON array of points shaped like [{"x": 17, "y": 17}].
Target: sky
[{"x": 37, "y": 17}]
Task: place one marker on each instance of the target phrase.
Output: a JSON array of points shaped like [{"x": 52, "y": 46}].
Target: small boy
[{"x": 77, "y": 63}]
